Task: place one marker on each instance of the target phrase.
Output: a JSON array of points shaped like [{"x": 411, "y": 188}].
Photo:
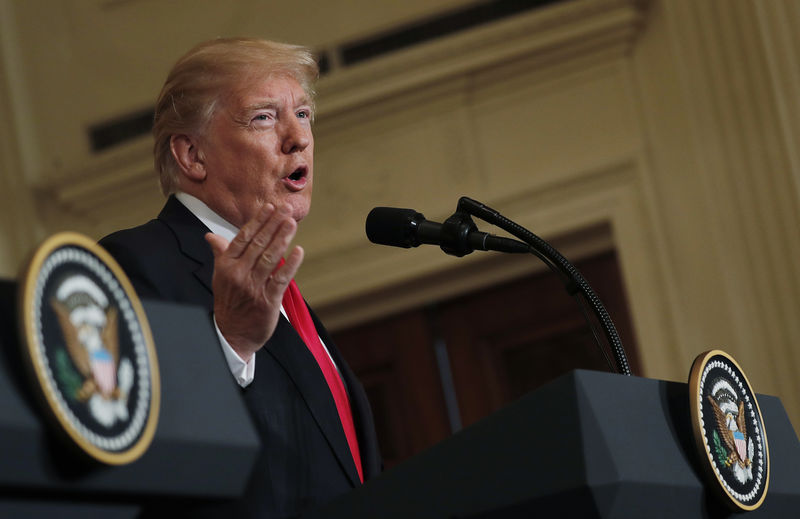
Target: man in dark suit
[{"x": 234, "y": 148}]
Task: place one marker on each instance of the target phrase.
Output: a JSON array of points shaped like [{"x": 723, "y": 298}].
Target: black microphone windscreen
[{"x": 393, "y": 226}]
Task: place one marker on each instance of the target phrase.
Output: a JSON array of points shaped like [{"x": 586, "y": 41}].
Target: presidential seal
[
  {"x": 89, "y": 350},
  {"x": 729, "y": 431}
]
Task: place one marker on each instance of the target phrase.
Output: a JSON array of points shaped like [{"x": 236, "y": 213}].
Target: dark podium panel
[
  {"x": 589, "y": 444},
  {"x": 203, "y": 448}
]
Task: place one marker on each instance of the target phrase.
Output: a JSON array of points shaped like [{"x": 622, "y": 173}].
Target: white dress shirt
[{"x": 242, "y": 371}]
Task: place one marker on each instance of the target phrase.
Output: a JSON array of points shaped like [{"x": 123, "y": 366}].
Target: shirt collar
[{"x": 214, "y": 222}]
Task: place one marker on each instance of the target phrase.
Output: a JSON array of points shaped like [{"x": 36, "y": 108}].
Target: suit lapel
[
  {"x": 289, "y": 350},
  {"x": 285, "y": 346},
  {"x": 362, "y": 412},
  {"x": 190, "y": 234}
]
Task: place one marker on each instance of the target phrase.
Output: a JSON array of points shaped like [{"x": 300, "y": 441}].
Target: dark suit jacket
[{"x": 305, "y": 459}]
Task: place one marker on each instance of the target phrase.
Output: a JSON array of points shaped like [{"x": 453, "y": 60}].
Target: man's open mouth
[
  {"x": 297, "y": 179},
  {"x": 297, "y": 174}
]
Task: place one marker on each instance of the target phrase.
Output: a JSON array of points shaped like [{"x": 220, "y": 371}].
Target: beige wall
[{"x": 665, "y": 129}]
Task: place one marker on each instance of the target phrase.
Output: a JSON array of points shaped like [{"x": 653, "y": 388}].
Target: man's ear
[{"x": 188, "y": 156}]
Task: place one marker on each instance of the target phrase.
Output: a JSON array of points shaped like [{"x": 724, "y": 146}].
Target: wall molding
[{"x": 550, "y": 38}]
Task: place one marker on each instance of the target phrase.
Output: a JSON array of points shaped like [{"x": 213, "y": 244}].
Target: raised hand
[{"x": 248, "y": 287}]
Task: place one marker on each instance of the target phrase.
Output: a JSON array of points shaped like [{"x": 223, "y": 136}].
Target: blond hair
[{"x": 204, "y": 75}]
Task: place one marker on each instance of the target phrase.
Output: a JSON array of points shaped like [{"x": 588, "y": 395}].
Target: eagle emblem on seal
[
  {"x": 89, "y": 326},
  {"x": 732, "y": 446}
]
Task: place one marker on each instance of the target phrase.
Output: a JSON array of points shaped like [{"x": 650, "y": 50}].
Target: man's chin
[
  {"x": 299, "y": 208},
  {"x": 298, "y": 216}
]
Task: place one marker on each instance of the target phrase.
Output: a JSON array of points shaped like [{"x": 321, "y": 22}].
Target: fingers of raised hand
[
  {"x": 242, "y": 241},
  {"x": 248, "y": 261},
  {"x": 268, "y": 237},
  {"x": 281, "y": 277},
  {"x": 270, "y": 257}
]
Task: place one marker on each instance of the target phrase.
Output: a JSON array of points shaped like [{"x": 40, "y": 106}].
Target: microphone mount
[{"x": 455, "y": 234}]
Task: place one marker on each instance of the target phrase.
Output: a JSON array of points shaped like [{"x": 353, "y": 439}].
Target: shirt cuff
[{"x": 243, "y": 372}]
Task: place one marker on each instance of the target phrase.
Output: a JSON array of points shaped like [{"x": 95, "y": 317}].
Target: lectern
[
  {"x": 589, "y": 444},
  {"x": 203, "y": 448},
  {"x": 586, "y": 445}
]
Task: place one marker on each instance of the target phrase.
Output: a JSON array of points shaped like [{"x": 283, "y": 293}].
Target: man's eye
[
  {"x": 304, "y": 114},
  {"x": 263, "y": 117}
]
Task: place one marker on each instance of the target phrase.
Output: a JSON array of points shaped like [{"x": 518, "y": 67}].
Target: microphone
[{"x": 458, "y": 236}]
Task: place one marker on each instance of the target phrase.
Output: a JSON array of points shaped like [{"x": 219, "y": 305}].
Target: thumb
[{"x": 218, "y": 243}]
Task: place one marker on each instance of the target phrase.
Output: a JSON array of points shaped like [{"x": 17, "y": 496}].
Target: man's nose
[{"x": 296, "y": 136}]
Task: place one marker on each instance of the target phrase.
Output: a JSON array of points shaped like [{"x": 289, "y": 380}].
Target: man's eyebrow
[
  {"x": 271, "y": 103},
  {"x": 261, "y": 106}
]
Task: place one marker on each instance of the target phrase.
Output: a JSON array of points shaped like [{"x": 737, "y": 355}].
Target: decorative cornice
[
  {"x": 564, "y": 33},
  {"x": 94, "y": 189},
  {"x": 547, "y": 36}
]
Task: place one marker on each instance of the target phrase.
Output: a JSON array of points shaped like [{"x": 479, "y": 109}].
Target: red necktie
[{"x": 300, "y": 318}]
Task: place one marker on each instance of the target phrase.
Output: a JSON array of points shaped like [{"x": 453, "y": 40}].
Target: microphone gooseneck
[{"x": 574, "y": 281}]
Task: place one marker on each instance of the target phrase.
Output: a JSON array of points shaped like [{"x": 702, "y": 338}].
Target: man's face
[{"x": 258, "y": 148}]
